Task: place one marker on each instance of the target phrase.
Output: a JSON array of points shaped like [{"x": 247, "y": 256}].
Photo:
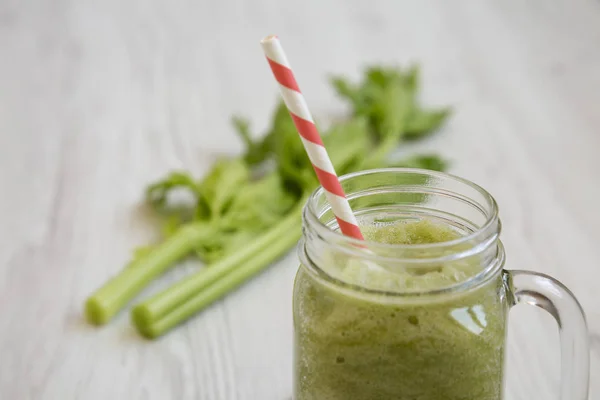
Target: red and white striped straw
[{"x": 296, "y": 105}]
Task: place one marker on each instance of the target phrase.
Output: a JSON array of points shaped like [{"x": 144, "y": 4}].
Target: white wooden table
[{"x": 99, "y": 98}]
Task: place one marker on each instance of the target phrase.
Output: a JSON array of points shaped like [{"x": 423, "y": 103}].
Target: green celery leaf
[
  {"x": 157, "y": 195},
  {"x": 258, "y": 206},
  {"x": 389, "y": 111},
  {"x": 292, "y": 160},
  {"x": 256, "y": 151},
  {"x": 346, "y": 90},
  {"x": 157, "y": 192},
  {"x": 424, "y": 122},
  {"x": 423, "y": 161},
  {"x": 346, "y": 143},
  {"x": 222, "y": 184}
]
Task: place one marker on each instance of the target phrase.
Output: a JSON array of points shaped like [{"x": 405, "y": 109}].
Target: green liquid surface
[{"x": 352, "y": 345}]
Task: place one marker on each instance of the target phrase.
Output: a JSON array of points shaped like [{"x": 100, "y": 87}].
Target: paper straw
[{"x": 296, "y": 105}]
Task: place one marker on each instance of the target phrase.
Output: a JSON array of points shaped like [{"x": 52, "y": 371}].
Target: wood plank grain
[{"x": 99, "y": 98}]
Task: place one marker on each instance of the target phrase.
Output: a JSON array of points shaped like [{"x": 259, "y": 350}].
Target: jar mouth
[
  {"x": 486, "y": 230},
  {"x": 353, "y": 289},
  {"x": 401, "y": 195}
]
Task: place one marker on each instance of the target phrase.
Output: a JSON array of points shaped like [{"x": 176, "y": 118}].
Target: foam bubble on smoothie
[
  {"x": 414, "y": 232},
  {"x": 423, "y": 231}
]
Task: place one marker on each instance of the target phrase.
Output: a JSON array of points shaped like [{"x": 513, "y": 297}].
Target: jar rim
[
  {"x": 468, "y": 285},
  {"x": 483, "y": 237},
  {"x": 311, "y": 214}
]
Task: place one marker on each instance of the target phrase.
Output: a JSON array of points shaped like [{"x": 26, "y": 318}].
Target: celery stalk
[
  {"x": 176, "y": 304},
  {"x": 107, "y": 301}
]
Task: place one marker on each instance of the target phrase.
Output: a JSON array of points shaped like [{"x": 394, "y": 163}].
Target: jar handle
[{"x": 545, "y": 292}]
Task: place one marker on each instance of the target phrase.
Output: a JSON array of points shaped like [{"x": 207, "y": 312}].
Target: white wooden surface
[{"x": 99, "y": 98}]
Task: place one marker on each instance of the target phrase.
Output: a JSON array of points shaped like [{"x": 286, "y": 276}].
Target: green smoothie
[{"x": 353, "y": 345}]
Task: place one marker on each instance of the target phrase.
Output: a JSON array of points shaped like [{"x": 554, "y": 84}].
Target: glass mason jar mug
[{"x": 420, "y": 321}]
